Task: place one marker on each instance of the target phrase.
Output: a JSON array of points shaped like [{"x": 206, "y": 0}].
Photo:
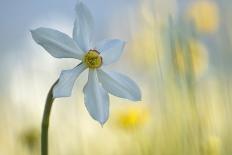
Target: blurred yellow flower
[
  {"x": 132, "y": 117},
  {"x": 212, "y": 146},
  {"x": 205, "y": 15},
  {"x": 194, "y": 59}
]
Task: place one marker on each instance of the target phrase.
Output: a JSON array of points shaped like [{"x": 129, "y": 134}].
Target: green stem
[{"x": 45, "y": 121}]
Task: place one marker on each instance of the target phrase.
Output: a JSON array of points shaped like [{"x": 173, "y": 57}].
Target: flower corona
[{"x": 93, "y": 59}]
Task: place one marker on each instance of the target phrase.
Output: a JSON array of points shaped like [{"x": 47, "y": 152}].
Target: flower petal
[
  {"x": 66, "y": 81},
  {"x": 110, "y": 50},
  {"x": 96, "y": 98},
  {"x": 57, "y": 43},
  {"x": 119, "y": 85},
  {"x": 83, "y": 27}
]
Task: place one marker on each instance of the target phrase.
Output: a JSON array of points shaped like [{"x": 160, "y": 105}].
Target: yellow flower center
[{"x": 93, "y": 59}]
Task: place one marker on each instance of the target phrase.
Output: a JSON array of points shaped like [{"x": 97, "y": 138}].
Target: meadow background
[{"x": 178, "y": 51}]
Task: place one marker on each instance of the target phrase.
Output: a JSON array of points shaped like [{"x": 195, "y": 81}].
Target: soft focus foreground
[{"x": 178, "y": 51}]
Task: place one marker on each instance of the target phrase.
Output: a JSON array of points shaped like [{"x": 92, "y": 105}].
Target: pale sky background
[{"x": 112, "y": 20}]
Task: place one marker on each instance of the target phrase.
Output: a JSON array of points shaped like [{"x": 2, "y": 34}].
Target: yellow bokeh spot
[
  {"x": 132, "y": 117},
  {"x": 205, "y": 15},
  {"x": 212, "y": 146},
  {"x": 194, "y": 59}
]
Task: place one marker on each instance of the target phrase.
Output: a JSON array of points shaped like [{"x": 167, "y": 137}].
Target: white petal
[
  {"x": 57, "y": 43},
  {"x": 66, "y": 81},
  {"x": 96, "y": 98},
  {"x": 119, "y": 85},
  {"x": 110, "y": 50},
  {"x": 83, "y": 27}
]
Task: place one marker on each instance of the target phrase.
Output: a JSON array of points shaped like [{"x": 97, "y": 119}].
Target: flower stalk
[{"x": 45, "y": 121}]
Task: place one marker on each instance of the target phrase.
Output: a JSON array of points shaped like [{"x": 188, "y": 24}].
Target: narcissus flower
[{"x": 100, "y": 82}]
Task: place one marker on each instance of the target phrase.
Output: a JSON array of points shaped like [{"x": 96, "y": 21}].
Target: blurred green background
[{"x": 178, "y": 51}]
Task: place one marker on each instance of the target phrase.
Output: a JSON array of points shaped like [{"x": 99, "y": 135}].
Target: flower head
[
  {"x": 132, "y": 117},
  {"x": 205, "y": 16},
  {"x": 194, "y": 60},
  {"x": 100, "y": 82}
]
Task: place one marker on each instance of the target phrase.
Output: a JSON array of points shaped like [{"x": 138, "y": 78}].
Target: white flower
[{"x": 100, "y": 82}]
